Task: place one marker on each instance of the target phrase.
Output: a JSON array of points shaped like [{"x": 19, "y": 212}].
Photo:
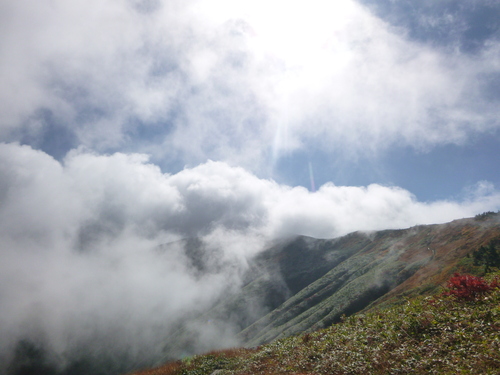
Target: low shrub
[{"x": 469, "y": 288}]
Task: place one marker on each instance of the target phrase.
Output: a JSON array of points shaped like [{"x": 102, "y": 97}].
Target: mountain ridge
[
  {"x": 307, "y": 284},
  {"x": 298, "y": 285}
]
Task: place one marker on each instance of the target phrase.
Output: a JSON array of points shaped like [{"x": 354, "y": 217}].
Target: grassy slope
[
  {"x": 452, "y": 246},
  {"x": 376, "y": 271},
  {"x": 275, "y": 275},
  {"x": 348, "y": 275},
  {"x": 438, "y": 335}
]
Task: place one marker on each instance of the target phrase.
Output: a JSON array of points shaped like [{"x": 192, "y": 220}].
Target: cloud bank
[
  {"x": 240, "y": 81},
  {"x": 89, "y": 89},
  {"x": 80, "y": 238}
]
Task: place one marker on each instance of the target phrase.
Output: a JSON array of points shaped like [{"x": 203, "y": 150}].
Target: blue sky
[
  {"x": 415, "y": 87},
  {"x": 340, "y": 96},
  {"x": 445, "y": 172},
  {"x": 126, "y": 124}
]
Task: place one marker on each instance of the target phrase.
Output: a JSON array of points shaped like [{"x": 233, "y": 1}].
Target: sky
[{"x": 127, "y": 124}]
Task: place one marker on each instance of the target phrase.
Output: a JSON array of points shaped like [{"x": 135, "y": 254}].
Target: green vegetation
[
  {"x": 486, "y": 215},
  {"x": 454, "y": 332},
  {"x": 365, "y": 272},
  {"x": 488, "y": 255},
  {"x": 301, "y": 285},
  {"x": 328, "y": 279}
]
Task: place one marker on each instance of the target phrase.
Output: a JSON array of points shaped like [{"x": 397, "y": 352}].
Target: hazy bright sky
[
  {"x": 129, "y": 123},
  {"x": 395, "y": 93}
]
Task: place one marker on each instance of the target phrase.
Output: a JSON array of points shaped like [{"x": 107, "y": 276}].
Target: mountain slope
[
  {"x": 297, "y": 285},
  {"x": 364, "y": 269},
  {"x": 457, "y": 334}
]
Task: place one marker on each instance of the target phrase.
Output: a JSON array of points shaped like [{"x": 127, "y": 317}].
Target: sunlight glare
[
  {"x": 304, "y": 42},
  {"x": 296, "y": 32}
]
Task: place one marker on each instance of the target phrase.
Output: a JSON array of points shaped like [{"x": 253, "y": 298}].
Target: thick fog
[
  {"x": 95, "y": 260},
  {"x": 82, "y": 268}
]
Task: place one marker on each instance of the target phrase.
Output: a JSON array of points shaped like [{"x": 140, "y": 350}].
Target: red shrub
[{"x": 468, "y": 287}]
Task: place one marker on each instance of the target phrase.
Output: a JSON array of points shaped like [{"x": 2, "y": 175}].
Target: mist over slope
[
  {"x": 83, "y": 273},
  {"x": 295, "y": 285},
  {"x": 159, "y": 158},
  {"x": 307, "y": 284},
  {"x": 366, "y": 270}
]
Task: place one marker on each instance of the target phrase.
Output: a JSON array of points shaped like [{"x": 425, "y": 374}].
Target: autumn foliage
[{"x": 470, "y": 288}]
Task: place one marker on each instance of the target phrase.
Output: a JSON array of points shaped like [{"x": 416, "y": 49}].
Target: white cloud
[
  {"x": 233, "y": 80},
  {"x": 78, "y": 258},
  {"x": 91, "y": 199}
]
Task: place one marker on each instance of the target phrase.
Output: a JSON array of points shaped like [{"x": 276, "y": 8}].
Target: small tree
[{"x": 488, "y": 255}]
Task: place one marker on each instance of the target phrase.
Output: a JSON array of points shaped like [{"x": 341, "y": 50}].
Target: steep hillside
[
  {"x": 296, "y": 286},
  {"x": 304, "y": 284},
  {"x": 457, "y": 333}
]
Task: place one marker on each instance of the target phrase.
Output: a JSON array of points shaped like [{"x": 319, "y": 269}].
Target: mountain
[
  {"x": 295, "y": 286},
  {"x": 367, "y": 269},
  {"x": 456, "y": 331},
  {"x": 304, "y": 284}
]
